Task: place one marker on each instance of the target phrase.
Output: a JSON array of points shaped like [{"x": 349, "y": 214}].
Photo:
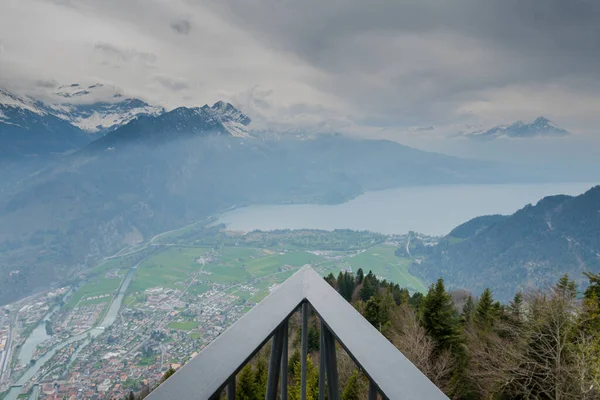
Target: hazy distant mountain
[
  {"x": 541, "y": 127},
  {"x": 28, "y": 128},
  {"x": 97, "y": 108},
  {"x": 560, "y": 234}
]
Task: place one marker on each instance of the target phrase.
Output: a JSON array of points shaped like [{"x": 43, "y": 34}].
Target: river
[
  {"x": 108, "y": 319},
  {"x": 433, "y": 210}
]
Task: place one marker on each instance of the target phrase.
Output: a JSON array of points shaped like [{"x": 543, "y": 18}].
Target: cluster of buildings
[
  {"x": 142, "y": 343},
  {"x": 81, "y": 319}
]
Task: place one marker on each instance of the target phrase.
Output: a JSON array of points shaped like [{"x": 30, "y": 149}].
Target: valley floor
[{"x": 184, "y": 288}]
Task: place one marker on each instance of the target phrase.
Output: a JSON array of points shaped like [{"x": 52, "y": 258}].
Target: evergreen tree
[
  {"x": 590, "y": 316},
  {"x": 262, "y": 374},
  {"x": 246, "y": 385},
  {"x": 438, "y": 316},
  {"x": 331, "y": 280},
  {"x": 313, "y": 339},
  {"x": 368, "y": 289},
  {"x": 566, "y": 287},
  {"x": 486, "y": 310},
  {"x": 312, "y": 381},
  {"x": 468, "y": 310},
  {"x": 351, "y": 391},
  {"x": 131, "y": 396},
  {"x": 372, "y": 311},
  {"x": 416, "y": 300},
  {"x": 168, "y": 374},
  {"x": 293, "y": 359},
  {"x": 516, "y": 306},
  {"x": 359, "y": 276}
]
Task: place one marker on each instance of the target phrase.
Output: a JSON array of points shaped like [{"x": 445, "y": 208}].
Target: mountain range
[
  {"x": 560, "y": 234},
  {"x": 541, "y": 127},
  {"x": 69, "y": 197},
  {"x": 33, "y": 127}
]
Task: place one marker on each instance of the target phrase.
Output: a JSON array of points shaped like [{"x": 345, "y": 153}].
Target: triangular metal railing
[{"x": 391, "y": 374}]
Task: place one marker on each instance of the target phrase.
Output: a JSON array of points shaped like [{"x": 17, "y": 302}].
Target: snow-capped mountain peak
[
  {"x": 98, "y": 108},
  {"x": 15, "y": 101},
  {"x": 540, "y": 127},
  {"x": 232, "y": 119}
]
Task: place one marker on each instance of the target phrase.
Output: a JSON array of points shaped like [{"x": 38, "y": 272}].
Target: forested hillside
[{"x": 560, "y": 234}]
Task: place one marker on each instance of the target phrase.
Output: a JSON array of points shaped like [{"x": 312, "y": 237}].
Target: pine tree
[
  {"x": 467, "y": 312},
  {"x": 590, "y": 316},
  {"x": 566, "y": 287},
  {"x": 331, "y": 280},
  {"x": 438, "y": 316},
  {"x": 313, "y": 339},
  {"x": 372, "y": 311},
  {"x": 293, "y": 359},
  {"x": 262, "y": 374},
  {"x": 486, "y": 310},
  {"x": 312, "y": 381},
  {"x": 246, "y": 386},
  {"x": 168, "y": 374},
  {"x": 360, "y": 275},
  {"x": 351, "y": 391},
  {"x": 368, "y": 289}
]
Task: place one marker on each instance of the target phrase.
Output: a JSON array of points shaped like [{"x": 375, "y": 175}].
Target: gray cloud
[
  {"x": 410, "y": 60},
  {"x": 382, "y": 67},
  {"x": 113, "y": 53},
  {"x": 46, "y": 83},
  {"x": 171, "y": 83},
  {"x": 182, "y": 26}
]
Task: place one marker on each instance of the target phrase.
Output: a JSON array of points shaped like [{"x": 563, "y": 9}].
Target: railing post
[
  {"x": 275, "y": 363},
  {"x": 284, "y": 363},
  {"x": 304, "y": 353},
  {"x": 372, "y": 391},
  {"x": 331, "y": 366},
  {"x": 322, "y": 363},
  {"x": 231, "y": 388}
]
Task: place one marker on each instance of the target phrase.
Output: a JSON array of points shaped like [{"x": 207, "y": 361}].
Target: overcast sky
[{"x": 376, "y": 67}]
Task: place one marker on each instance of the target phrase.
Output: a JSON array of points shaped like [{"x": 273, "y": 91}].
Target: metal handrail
[{"x": 389, "y": 371}]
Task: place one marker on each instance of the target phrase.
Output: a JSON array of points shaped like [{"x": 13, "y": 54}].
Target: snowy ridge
[
  {"x": 99, "y": 108},
  {"x": 14, "y": 101},
  {"x": 541, "y": 127},
  {"x": 93, "y": 109},
  {"x": 234, "y": 121}
]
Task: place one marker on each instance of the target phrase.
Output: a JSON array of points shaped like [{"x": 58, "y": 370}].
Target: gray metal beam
[
  {"x": 231, "y": 389},
  {"x": 333, "y": 390},
  {"x": 284, "y": 363},
  {"x": 322, "y": 366},
  {"x": 372, "y": 391},
  {"x": 304, "y": 352},
  {"x": 275, "y": 363}
]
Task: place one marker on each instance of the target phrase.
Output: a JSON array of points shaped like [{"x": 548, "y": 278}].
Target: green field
[
  {"x": 176, "y": 266},
  {"x": 170, "y": 268},
  {"x": 95, "y": 286},
  {"x": 183, "y": 326},
  {"x": 384, "y": 263},
  {"x": 195, "y": 335}
]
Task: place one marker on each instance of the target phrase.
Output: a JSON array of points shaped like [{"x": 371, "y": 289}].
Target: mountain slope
[
  {"x": 541, "y": 127},
  {"x": 27, "y": 128},
  {"x": 560, "y": 234},
  {"x": 164, "y": 128}
]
